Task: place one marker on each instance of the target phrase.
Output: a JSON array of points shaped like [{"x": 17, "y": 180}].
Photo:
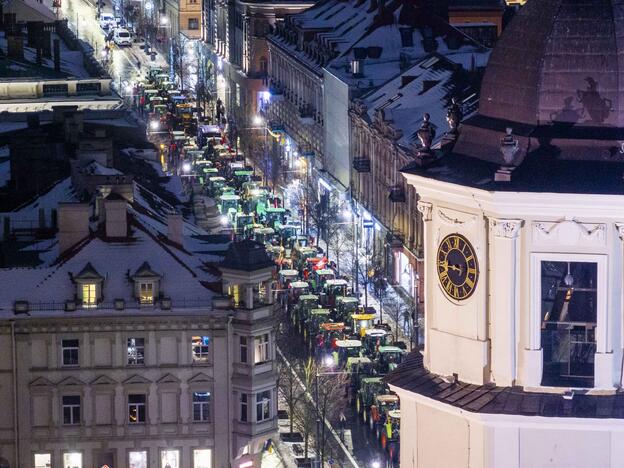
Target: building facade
[{"x": 523, "y": 261}]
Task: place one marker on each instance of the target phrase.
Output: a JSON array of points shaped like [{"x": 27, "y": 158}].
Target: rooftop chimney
[
  {"x": 116, "y": 216},
  {"x": 175, "y": 225},
  {"x": 73, "y": 224}
]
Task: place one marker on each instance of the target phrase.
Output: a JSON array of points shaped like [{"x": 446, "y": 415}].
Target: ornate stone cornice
[
  {"x": 425, "y": 208},
  {"x": 508, "y": 228}
]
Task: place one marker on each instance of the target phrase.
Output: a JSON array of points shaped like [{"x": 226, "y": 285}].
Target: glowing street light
[
  {"x": 223, "y": 220},
  {"x": 186, "y": 167},
  {"x": 257, "y": 120},
  {"x": 154, "y": 125},
  {"x": 164, "y": 20}
]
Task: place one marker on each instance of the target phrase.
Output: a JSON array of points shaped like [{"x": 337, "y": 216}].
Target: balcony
[
  {"x": 306, "y": 114},
  {"x": 253, "y": 429}
]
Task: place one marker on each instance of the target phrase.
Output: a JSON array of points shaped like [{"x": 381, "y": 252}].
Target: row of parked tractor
[{"x": 334, "y": 326}]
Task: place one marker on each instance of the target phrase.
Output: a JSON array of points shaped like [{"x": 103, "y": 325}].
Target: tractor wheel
[{"x": 384, "y": 440}]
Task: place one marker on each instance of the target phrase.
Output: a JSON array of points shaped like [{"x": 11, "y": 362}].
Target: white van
[
  {"x": 122, "y": 37},
  {"x": 107, "y": 20}
]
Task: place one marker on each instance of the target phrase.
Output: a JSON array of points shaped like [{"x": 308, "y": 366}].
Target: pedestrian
[{"x": 142, "y": 104}]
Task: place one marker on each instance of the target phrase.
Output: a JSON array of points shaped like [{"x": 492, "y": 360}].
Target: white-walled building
[{"x": 524, "y": 233}]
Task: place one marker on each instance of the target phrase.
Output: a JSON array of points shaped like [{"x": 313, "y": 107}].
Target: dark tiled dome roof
[
  {"x": 559, "y": 61},
  {"x": 246, "y": 255}
]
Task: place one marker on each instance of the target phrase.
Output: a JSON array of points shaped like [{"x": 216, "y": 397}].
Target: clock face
[{"x": 457, "y": 267}]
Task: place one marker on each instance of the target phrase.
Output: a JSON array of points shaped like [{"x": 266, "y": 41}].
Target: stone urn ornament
[
  {"x": 509, "y": 146},
  {"x": 426, "y": 134},
  {"x": 454, "y": 115}
]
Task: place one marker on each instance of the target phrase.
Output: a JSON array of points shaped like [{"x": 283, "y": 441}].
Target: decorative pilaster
[{"x": 504, "y": 281}]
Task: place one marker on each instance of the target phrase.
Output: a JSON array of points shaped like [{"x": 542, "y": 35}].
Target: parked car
[
  {"x": 122, "y": 37},
  {"x": 107, "y": 20}
]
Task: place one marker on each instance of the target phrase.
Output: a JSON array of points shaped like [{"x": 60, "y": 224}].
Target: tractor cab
[
  {"x": 264, "y": 234},
  {"x": 361, "y": 323},
  {"x": 243, "y": 222},
  {"x": 255, "y": 197},
  {"x": 295, "y": 240},
  {"x": 215, "y": 186},
  {"x": 296, "y": 289},
  {"x": 241, "y": 176},
  {"x": 228, "y": 204},
  {"x": 375, "y": 338},
  {"x": 332, "y": 288},
  {"x": 345, "y": 307},
  {"x": 152, "y": 72},
  {"x": 388, "y": 358},
  {"x": 289, "y": 231},
  {"x": 346, "y": 349},
  {"x": 320, "y": 277},
  {"x": 359, "y": 368},
  {"x": 332, "y": 332},
  {"x": 275, "y": 216},
  {"x": 312, "y": 329},
  {"x": 301, "y": 311},
  {"x": 369, "y": 388},
  {"x": 286, "y": 277},
  {"x": 205, "y": 132},
  {"x": 299, "y": 255},
  {"x": 382, "y": 405}
]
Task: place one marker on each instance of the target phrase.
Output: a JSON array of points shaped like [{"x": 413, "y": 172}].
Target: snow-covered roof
[{"x": 427, "y": 87}]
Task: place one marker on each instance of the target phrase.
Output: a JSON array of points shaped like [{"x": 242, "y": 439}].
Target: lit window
[
  {"x": 43, "y": 460},
  {"x": 193, "y": 23},
  {"x": 146, "y": 291},
  {"x": 243, "y": 407},
  {"x": 70, "y": 352},
  {"x": 263, "y": 406},
  {"x": 137, "y": 459},
  {"x": 202, "y": 458},
  {"x": 89, "y": 295},
  {"x": 201, "y": 406},
  {"x": 201, "y": 347},
  {"x": 136, "y": 351},
  {"x": 261, "y": 349},
  {"x": 170, "y": 459},
  {"x": 71, "y": 409},
  {"x": 72, "y": 460},
  {"x": 136, "y": 409},
  {"x": 243, "y": 349}
]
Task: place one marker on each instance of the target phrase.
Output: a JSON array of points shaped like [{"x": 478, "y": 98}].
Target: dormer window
[
  {"x": 146, "y": 284},
  {"x": 89, "y": 286},
  {"x": 146, "y": 293}
]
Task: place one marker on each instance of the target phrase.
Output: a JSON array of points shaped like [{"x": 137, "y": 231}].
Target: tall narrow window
[
  {"x": 201, "y": 406},
  {"x": 136, "y": 351},
  {"x": 243, "y": 349},
  {"x": 261, "y": 349},
  {"x": 71, "y": 409},
  {"x": 72, "y": 460},
  {"x": 146, "y": 293},
  {"x": 136, "y": 409},
  {"x": 569, "y": 317},
  {"x": 201, "y": 347},
  {"x": 70, "y": 352},
  {"x": 263, "y": 406},
  {"x": 43, "y": 460},
  {"x": 243, "y": 407},
  {"x": 89, "y": 295}
]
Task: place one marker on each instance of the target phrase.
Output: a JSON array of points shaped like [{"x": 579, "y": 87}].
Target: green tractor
[
  {"x": 346, "y": 349},
  {"x": 331, "y": 289},
  {"x": 345, "y": 307},
  {"x": 378, "y": 412},
  {"x": 305, "y": 304},
  {"x": 370, "y": 387},
  {"x": 388, "y": 358},
  {"x": 375, "y": 338},
  {"x": 313, "y": 325},
  {"x": 358, "y": 368}
]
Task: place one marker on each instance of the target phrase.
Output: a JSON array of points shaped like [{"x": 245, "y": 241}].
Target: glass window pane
[
  {"x": 202, "y": 458},
  {"x": 170, "y": 459},
  {"x": 569, "y": 318},
  {"x": 43, "y": 460},
  {"x": 72, "y": 460},
  {"x": 137, "y": 459}
]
